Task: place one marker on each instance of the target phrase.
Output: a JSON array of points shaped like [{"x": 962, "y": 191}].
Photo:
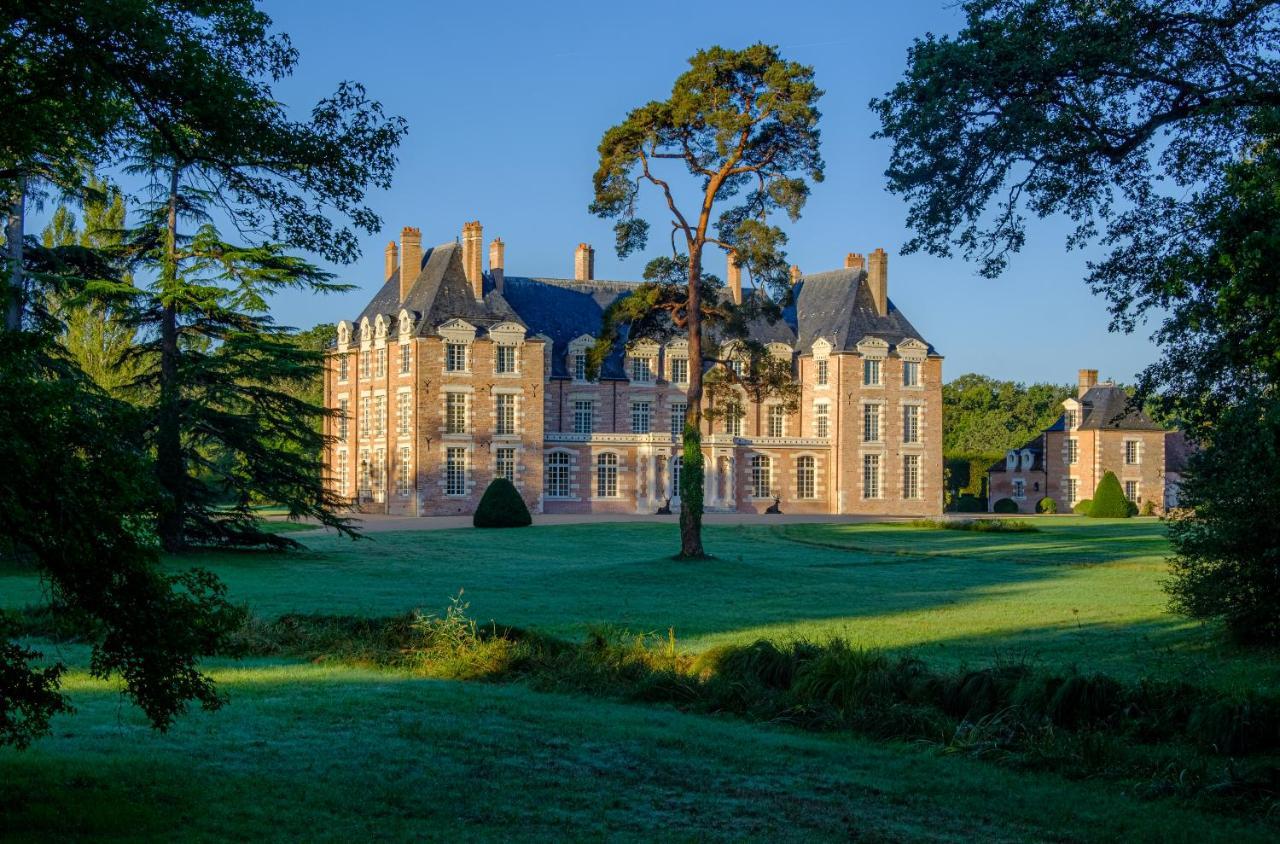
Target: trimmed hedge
[
  {"x": 1046, "y": 505},
  {"x": 1005, "y": 505},
  {"x": 970, "y": 504},
  {"x": 1083, "y": 507},
  {"x": 1109, "y": 501},
  {"x": 501, "y": 506}
]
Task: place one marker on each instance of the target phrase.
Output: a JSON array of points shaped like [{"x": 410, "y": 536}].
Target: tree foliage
[
  {"x": 744, "y": 125},
  {"x": 983, "y": 415}
]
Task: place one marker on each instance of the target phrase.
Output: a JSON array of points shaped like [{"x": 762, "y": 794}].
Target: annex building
[
  {"x": 1097, "y": 432},
  {"x": 453, "y": 375}
]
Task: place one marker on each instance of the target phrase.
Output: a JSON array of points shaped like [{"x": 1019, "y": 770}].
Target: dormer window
[
  {"x": 679, "y": 370},
  {"x": 822, "y": 376},
  {"x": 1071, "y": 419},
  {"x": 642, "y": 370},
  {"x": 577, "y": 356},
  {"x": 579, "y": 366}
]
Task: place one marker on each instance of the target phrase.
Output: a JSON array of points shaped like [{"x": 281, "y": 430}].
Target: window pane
[
  {"x": 640, "y": 414},
  {"x": 582, "y": 417},
  {"x": 871, "y": 476},
  {"x": 806, "y": 486},
  {"x": 678, "y": 410}
]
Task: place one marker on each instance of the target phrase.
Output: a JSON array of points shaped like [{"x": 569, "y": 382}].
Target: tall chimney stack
[
  {"x": 853, "y": 261},
  {"x": 733, "y": 274},
  {"x": 878, "y": 280},
  {"x": 497, "y": 258},
  {"x": 472, "y": 260},
  {"x": 410, "y": 259},
  {"x": 584, "y": 262},
  {"x": 393, "y": 260},
  {"x": 1088, "y": 380},
  {"x": 795, "y": 275}
]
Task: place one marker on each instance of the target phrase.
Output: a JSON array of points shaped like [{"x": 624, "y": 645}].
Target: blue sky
[{"x": 507, "y": 102}]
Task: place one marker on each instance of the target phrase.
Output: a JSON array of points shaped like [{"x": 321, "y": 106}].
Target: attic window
[{"x": 580, "y": 366}]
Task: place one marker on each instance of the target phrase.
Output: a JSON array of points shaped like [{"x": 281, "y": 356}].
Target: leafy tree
[
  {"x": 744, "y": 125},
  {"x": 1228, "y": 561},
  {"x": 95, "y": 333},
  {"x": 1152, "y": 125},
  {"x": 982, "y": 415},
  {"x": 1108, "y": 499}
]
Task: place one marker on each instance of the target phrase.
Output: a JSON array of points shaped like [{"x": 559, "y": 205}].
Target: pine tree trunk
[
  {"x": 169, "y": 464},
  {"x": 691, "y": 472},
  {"x": 15, "y": 225}
]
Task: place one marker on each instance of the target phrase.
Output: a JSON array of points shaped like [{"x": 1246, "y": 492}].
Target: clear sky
[{"x": 506, "y": 103}]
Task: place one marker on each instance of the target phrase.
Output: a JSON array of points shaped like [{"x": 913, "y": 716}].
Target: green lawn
[{"x": 333, "y": 752}]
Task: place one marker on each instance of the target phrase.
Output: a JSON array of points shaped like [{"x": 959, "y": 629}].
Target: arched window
[
  {"x": 806, "y": 478},
  {"x": 607, "y": 475},
  {"x": 557, "y": 475},
  {"x": 761, "y": 476}
]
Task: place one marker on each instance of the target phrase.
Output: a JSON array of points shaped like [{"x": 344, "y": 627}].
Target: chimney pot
[
  {"x": 853, "y": 261},
  {"x": 393, "y": 260},
  {"x": 472, "y": 259},
  {"x": 734, "y": 276},
  {"x": 410, "y": 259},
  {"x": 497, "y": 262},
  {"x": 878, "y": 280},
  {"x": 584, "y": 262},
  {"x": 795, "y": 274},
  {"x": 1088, "y": 380}
]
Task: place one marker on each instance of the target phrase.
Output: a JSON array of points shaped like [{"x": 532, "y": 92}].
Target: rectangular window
[
  {"x": 1019, "y": 489},
  {"x": 607, "y": 476},
  {"x": 364, "y": 364},
  {"x": 911, "y": 476},
  {"x": 911, "y": 424},
  {"x": 777, "y": 420},
  {"x": 1070, "y": 489},
  {"x": 406, "y": 357},
  {"x": 821, "y": 420},
  {"x": 455, "y": 357},
  {"x": 806, "y": 478},
  {"x": 640, "y": 417},
  {"x": 1131, "y": 489},
  {"x": 404, "y": 412},
  {"x": 734, "y": 415},
  {"x": 504, "y": 423},
  {"x": 822, "y": 373},
  {"x": 366, "y": 415},
  {"x": 642, "y": 370},
  {"x": 455, "y": 413},
  {"x": 342, "y": 472},
  {"x": 871, "y": 423},
  {"x": 580, "y": 366},
  {"x": 1132, "y": 452},
  {"x": 583, "y": 417},
  {"x": 504, "y": 360},
  {"x": 504, "y": 463},
  {"x": 343, "y": 367},
  {"x": 455, "y": 471},
  {"x": 761, "y": 476},
  {"x": 910, "y": 373},
  {"x": 1070, "y": 419},
  {"x": 680, "y": 370},
  {"x": 678, "y": 410},
  {"x": 403, "y": 477},
  {"x": 379, "y": 468},
  {"x": 343, "y": 419},
  {"x": 362, "y": 471},
  {"x": 557, "y": 474},
  {"x": 1073, "y": 451},
  {"x": 871, "y": 372},
  {"x": 870, "y": 476},
  {"x": 382, "y": 362},
  {"x": 737, "y": 366},
  {"x": 379, "y": 416}
]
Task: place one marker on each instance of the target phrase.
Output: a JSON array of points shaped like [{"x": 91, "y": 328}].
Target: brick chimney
[
  {"x": 497, "y": 257},
  {"x": 853, "y": 261},
  {"x": 584, "y": 262},
  {"x": 878, "y": 280},
  {"x": 410, "y": 259},
  {"x": 733, "y": 274},
  {"x": 393, "y": 260},
  {"x": 795, "y": 275},
  {"x": 1088, "y": 380},
  {"x": 472, "y": 260}
]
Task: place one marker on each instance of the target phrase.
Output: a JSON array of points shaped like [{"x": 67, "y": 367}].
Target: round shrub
[
  {"x": 1005, "y": 505},
  {"x": 967, "y": 503},
  {"x": 501, "y": 506},
  {"x": 1109, "y": 501},
  {"x": 1082, "y": 507},
  {"x": 1046, "y": 505},
  {"x": 1148, "y": 508}
]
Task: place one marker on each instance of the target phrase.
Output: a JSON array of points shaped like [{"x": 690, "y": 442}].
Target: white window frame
[
  {"x": 504, "y": 414},
  {"x": 822, "y": 420},
  {"x": 558, "y": 475},
  {"x": 761, "y": 476},
  {"x": 806, "y": 477},
  {"x": 872, "y": 422},
  {"x": 641, "y": 417},
  {"x": 607, "y": 464},
  {"x": 457, "y": 403},
  {"x": 584, "y": 409},
  {"x": 504, "y": 462},
  {"x": 455, "y": 472},
  {"x": 911, "y": 433},
  {"x": 776, "y": 420},
  {"x": 911, "y": 477},
  {"x": 872, "y": 477},
  {"x": 678, "y": 411}
]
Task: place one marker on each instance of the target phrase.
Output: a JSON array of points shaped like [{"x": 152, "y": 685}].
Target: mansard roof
[{"x": 836, "y": 306}]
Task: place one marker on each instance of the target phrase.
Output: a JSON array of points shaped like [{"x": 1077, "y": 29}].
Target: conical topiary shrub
[
  {"x": 1108, "y": 500},
  {"x": 501, "y": 506}
]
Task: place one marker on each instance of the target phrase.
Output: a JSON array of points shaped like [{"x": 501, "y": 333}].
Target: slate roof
[
  {"x": 836, "y": 306},
  {"x": 1106, "y": 406},
  {"x": 1035, "y": 446}
]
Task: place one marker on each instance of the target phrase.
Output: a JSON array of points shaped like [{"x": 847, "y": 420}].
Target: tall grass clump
[{"x": 975, "y": 525}]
